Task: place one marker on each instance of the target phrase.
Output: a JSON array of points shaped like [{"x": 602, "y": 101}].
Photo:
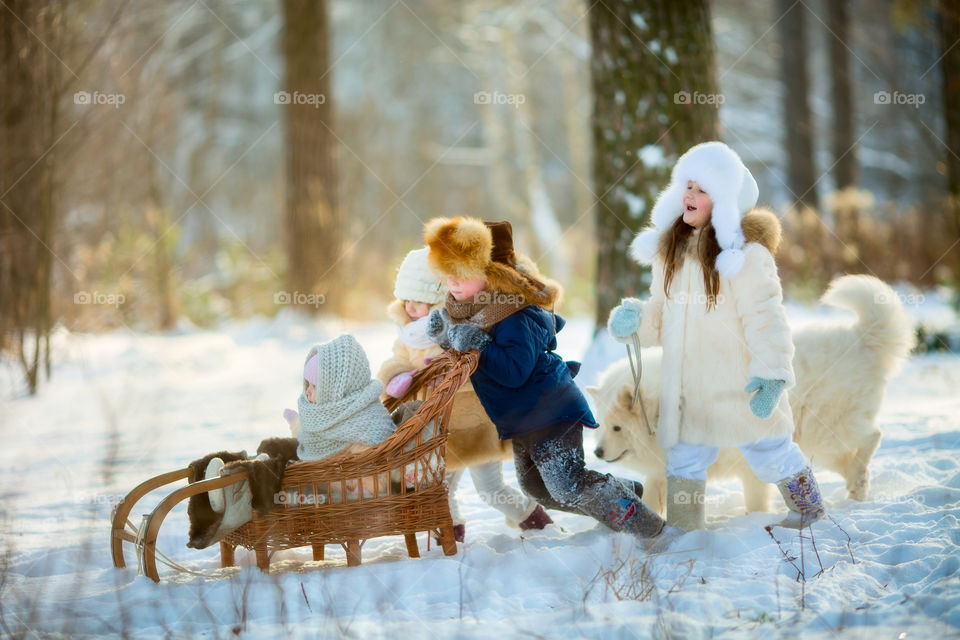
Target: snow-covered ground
[{"x": 151, "y": 403}]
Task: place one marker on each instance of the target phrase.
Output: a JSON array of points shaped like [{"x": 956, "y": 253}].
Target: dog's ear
[
  {"x": 594, "y": 392},
  {"x": 625, "y": 398}
]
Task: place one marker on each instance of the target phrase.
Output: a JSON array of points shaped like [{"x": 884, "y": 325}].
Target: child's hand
[
  {"x": 399, "y": 384},
  {"x": 293, "y": 419},
  {"x": 468, "y": 337},
  {"x": 437, "y": 326},
  {"x": 625, "y": 319},
  {"x": 768, "y": 395}
]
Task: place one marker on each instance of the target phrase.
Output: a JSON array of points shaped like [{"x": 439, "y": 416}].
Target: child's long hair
[{"x": 673, "y": 243}]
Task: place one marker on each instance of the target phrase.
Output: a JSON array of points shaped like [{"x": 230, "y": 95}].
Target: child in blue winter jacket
[{"x": 501, "y": 306}]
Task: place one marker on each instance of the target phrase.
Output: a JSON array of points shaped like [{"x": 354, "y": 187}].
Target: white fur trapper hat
[
  {"x": 721, "y": 173},
  {"x": 415, "y": 281}
]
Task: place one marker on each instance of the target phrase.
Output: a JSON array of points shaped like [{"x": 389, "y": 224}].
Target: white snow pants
[
  {"x": 771, "y": 459},
  {"x": 515, "y": 505}
]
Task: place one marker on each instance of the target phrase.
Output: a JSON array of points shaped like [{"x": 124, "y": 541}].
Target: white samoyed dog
[{"x": 842, "y": 371}]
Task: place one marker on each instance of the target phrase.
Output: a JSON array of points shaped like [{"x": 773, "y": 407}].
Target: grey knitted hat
[{"x": 348, "y": 409}]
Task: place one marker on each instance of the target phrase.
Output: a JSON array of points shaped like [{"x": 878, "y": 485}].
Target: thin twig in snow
[
  {"x": 305, "y": 598},
  {"x": 769, "y": 530},
  {"x": 813, "y": 543},
  {"x": 803, "y": 583},
  {"x": 849, "y": 548}
]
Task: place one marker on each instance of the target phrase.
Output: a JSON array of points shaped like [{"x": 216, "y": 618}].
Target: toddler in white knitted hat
[{"x": 417, "y": 292}]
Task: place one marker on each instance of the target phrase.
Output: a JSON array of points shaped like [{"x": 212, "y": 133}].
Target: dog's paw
[{"x": 858, "y": 490}]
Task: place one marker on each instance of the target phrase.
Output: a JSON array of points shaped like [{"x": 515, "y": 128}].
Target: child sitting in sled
[{"x": 340, "y": 411}]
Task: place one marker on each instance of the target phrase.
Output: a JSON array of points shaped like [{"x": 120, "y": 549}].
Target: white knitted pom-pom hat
[
  {"x": 415, "y": 281},
  {"x": 721, "y": 173}
]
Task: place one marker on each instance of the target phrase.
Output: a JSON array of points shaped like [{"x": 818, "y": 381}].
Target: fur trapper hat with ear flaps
[
  {"x": 468, "y": 248},
  {"x": 721, "y": 173}
]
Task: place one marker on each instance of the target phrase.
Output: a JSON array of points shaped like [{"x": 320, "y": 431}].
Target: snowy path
[{"x": 152, "y": 403}]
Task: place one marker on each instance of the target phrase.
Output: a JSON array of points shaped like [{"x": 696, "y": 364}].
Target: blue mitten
[
  {"x": 625, "y": 319},
  {"x": 768, "y": 395},
  {"x": 468, "y": 337},
  {"x": 437, "y": 326}
]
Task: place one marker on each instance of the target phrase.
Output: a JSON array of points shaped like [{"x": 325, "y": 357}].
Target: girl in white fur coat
[{"x": 716, "y": 308}]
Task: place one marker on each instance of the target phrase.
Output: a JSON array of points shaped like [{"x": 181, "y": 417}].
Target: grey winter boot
[
  {"x": 614, "y": 502},
  {"x": 685, "y": 503},
  {"x": 630, "y": 515},
  {"x": 802, "y": 495}
]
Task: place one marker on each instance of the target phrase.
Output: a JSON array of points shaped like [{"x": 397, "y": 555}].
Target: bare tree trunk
[
  {"x": 655, "y": 95},
  {"x": 503, "y": 201},
  {"x": 313, "y": 229},
  {"x": 27, "y": 118},
  {"x": 797, "y": 123},
  {"x": 207, "y": 241},
  {"x": 949, "y": 24},
  {"x": 537, "y": 207},
  {"x": 844, "y": 153},
  {"x": 48, "y": 217},
  {"x": 164, "y": 244},
  {"x": 576, "y": 132}
]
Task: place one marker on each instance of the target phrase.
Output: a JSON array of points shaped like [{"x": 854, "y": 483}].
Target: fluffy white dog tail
[{"x": 884, "y": 326}]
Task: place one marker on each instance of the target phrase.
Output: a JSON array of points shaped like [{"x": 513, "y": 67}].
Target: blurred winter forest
[{"x": 174, "y": 164}]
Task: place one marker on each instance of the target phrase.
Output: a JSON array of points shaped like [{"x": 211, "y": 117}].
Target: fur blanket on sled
[{"x": 264, "y": 474}]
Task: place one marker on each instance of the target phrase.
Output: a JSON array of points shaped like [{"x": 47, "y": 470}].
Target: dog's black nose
[{"x": 598, "y": 452}]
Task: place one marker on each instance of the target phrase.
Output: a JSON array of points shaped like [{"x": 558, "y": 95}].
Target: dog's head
[
  {"x": 624, "y": 435},
  {"x": 616, "y": 424}
]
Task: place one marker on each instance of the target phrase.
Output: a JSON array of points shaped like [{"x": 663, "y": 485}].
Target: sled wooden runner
[{"x": 310, "y": 514}]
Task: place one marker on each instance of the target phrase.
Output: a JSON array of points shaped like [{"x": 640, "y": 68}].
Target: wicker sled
[{"x": 309, "y": 515}]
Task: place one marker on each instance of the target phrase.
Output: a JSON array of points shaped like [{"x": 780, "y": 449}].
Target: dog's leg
[
  {"x": 655, "y": 492},
  {"x": 755, "y": 493},
  {"x": 858, "y": 472}
]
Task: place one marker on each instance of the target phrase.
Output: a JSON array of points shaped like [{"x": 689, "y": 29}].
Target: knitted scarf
[
  {"x": 327, "y": 429},
  {"x": 488, "y": 311},
  {"x": 414, "y": 334}
]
